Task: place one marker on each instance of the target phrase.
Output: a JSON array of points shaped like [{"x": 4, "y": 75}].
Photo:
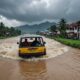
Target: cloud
[
  {"x": 39, "y": 10},
  {"x": 10, "y": 23}
]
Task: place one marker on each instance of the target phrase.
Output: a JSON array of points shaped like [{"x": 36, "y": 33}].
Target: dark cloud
[{"x": 38, "y": 10}]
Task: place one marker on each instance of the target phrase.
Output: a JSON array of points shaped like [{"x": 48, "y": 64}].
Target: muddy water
[
  {"x": 63, "y": 67},
  {"x": 9, "y": 49},
  {"x": 56, "y": 66}
]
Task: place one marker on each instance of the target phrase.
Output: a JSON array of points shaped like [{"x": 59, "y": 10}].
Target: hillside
[{"x": 36, "y": 27}]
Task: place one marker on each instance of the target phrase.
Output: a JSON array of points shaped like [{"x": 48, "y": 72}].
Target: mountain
[{"x": 35, "y": 27}]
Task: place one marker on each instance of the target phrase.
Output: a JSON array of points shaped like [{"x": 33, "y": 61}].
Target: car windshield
[{"x": 31, "y": 42}]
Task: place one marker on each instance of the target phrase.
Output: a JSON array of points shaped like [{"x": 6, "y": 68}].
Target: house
[
  {"x": 49, "y": 33},
  {"x": 73, "y": 31}
]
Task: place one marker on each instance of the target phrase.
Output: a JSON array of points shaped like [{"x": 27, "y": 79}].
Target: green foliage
[
  {"x": 69, "y": 42},
  {"x": 8, "y": 32},
  {"x": 62, "y": 27},
  {"x": 78, "y": 22},
  {"x": 53, "y": 28}
]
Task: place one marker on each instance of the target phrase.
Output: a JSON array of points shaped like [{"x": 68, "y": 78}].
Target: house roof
[{"x": 72, "y": 25}]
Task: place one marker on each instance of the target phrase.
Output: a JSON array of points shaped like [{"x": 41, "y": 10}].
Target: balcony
[{"x": 72, "y": 31}]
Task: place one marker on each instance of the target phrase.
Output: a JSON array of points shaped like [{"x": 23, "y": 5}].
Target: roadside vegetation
[
  {"x": 6, "y": 32},
  {"x": 62, "y": 37},
  {"x": 69, "y": 42},
  {"x": 58, "y": 32}
]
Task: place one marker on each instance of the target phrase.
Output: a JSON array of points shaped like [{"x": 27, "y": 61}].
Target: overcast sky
[{"x": 17, "y": 12}]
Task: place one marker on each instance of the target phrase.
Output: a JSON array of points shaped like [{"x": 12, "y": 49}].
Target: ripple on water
[
  {"x": 10, "y": 50},
  {"x": 13, "y": 54}
]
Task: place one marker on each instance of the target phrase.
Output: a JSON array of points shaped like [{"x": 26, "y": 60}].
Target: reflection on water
[
  {"x": 33, "y": 70},
  {"x": 23, "y": 70},
  {"x": 64, "y": 67}
]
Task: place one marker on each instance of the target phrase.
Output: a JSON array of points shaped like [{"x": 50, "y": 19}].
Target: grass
[
  {"x": 69, "y": 42},
  {"x": 5, "y": 37},
  {"x": 2, "y": 37}
]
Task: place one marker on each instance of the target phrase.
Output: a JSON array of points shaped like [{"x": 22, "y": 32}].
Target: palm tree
[{"x": 62, "y": 27}]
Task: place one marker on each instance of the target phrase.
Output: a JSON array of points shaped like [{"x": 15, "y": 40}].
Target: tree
[
  {"x": 53, "y": 28},
  {"x": 6, "y": 31},
  {"x": 78, "y": 23},
  {"x": 62, "y": 27},
  {"x": 2, "y": 26}
]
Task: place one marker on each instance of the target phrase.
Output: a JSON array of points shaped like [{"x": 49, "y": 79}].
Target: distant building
[
  {"x": 47, "y": 32},
  {"x": 73, "y": 31}
]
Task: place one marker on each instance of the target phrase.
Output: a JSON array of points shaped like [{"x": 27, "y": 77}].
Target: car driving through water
[{"x": 32, "y": 45}]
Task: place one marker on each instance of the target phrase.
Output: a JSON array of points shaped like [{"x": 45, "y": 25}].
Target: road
[{"x": 60, "y": 63}]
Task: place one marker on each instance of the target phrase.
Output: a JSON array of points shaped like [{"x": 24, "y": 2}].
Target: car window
[{"x": 31, "y": 41}]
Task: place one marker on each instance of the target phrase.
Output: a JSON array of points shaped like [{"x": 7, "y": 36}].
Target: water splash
[{"x": 9, "y": 49}]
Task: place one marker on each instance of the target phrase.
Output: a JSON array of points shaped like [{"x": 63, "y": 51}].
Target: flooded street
[
  {"x": 60, "y": 63},
  {"x": 9, "y": 48}
]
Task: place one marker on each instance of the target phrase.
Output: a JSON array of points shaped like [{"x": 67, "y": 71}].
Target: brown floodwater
[
  {"x": 9, "y": 48},
  {"x": 63, "y": 66}
]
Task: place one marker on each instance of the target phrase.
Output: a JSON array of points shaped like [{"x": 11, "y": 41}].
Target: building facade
[{"x": 73, "y": 31}]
